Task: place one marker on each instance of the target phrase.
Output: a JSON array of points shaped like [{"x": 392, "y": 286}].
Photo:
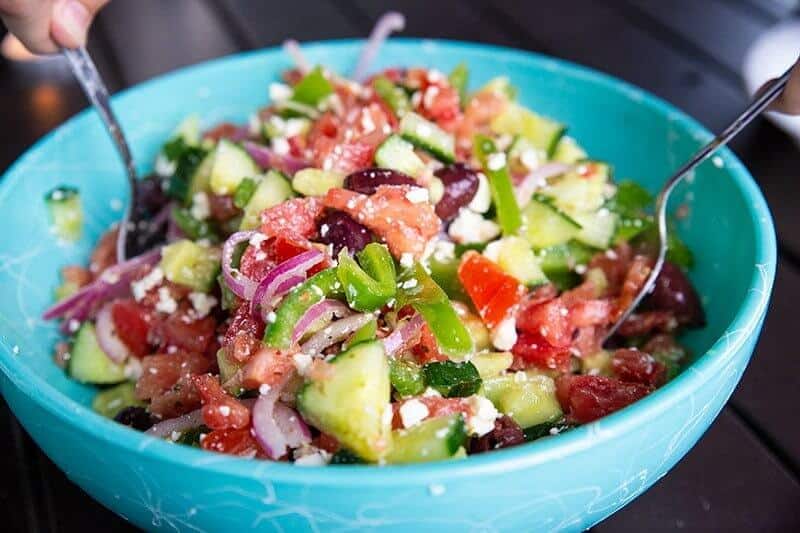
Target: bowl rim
[{"x": 747, "y": 318}]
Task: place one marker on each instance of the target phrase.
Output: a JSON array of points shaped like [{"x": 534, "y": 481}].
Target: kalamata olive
[
  {"x": 674, "y": 292},
  {"x": 222, "y": 207},
  {"x": 506, "y": 433},
  {"x": 460, "y": 185},
  {"x": 368, "y": 180},
  {"x": 135, "y": 417},
  {"x": 338, "y": 229},
  {"x": 150, "y": 195}
]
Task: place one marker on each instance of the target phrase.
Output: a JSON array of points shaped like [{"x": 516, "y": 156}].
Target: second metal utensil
[{"x": 760, "y": 102}]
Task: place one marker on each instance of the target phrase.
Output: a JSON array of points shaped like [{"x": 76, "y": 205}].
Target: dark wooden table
[{"x": 744, "y": 475}]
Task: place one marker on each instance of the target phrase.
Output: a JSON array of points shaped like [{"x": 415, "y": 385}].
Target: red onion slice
[
  {"x": 388, "y": 23},
  {"x": 294, "y": 428},
  {"x": 335, "y": 332},
  {"x": 292, "y": 48},
  {"x": 537, "y": 179},
  {"x": 107, "y": 336},
  {"x": 282, "y": 278},
  {"x": 241, "y": 285},
  {"x": 323, "y": 311},
  {"x": 266, "y": 158},
  {"x": 113, "y": 282},
  {"x": 165, "y": 428},
  {"x": 403, "y": 334},
  {"x": 272, "y": 438}
]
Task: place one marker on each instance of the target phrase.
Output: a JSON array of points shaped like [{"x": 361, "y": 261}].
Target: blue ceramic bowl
[{"x": 568, "y": 482}]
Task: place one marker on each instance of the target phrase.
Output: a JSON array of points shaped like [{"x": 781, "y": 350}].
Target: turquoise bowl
[{"x": 568, "y": 482}]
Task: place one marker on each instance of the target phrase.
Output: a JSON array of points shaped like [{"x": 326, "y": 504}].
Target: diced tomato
[
  {"x": 243, "y": 336},
  {"x": 588, "y": 340},
  {"x": 220, "y": 410},
  {"x": 634, "y": 280},
  {"x": 638, "y": 367},
  {"x": 614, "y": 264},
  {"x": 185, "y": 332},
  {"x": 178, "y": 400},
  {"x": 427, "y": 349},
  {"x": 590, "y": 313},
  {"x": 587, "y": 398},
  {"x": 267, "y": 367},
  {"x": 494, "y": 293},
  {"x": 297, "y": 217},
  {"x": 437, "y": 406},
  {"x": 256, "y": 262},
  {"x": 231, "y": 441},
  {"x": 405, "y": 226},
  {"x": 162, "y": 371},
  {"x": 132, "y": 325},
  {"x": 532, "y": 349},
  {"x": 225, "y": 130},
  {"x": 550, "y": 320},
  {"x": 297, "y": 145},
  {"x": 345, "y": 157},
  {"x": 646, "y": 322}
]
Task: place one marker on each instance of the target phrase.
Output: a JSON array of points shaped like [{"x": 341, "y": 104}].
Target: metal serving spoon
[
  {"x": 760, "y": 102},
  {"x": 128, "y": 242}
]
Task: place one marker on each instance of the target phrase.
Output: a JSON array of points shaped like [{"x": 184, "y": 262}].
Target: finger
[
  {"x": 29, "y": 21},
  {"x": 789, "y": 100},
  {"x": 71, "y": 20}
]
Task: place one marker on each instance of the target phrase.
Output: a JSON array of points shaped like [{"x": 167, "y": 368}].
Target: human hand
[
  {"x": 789, "y": 101},
  {"x": 44, "y": 26}
]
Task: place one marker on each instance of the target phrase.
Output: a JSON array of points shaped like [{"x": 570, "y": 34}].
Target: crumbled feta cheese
[
  {"x": 412, "y": 412},
  {"x": 201, "y": 209},
  {"x": 444, "y": 251},
  {"x": 175, "y": 435},
  {"x": 484, "y": 414},
  {"x": 417, "y": 195},
  {"x": 295, "y": 126},
  {"x": 367, "y": 124},
  {"x": 264, "y": 389},
  {"x": 278, "y": 92},
  {"x": 496, "y": 161},
  {"x": 309, "y": 455},
  {"x": 482, "y": 200},
  {"x": 429, "y": 97},
  {"x": 530, "y": 158},
  {"x": 431, "y": 393},
  {"x": 435, "y": 76},
  {"x": 133, "y": 369},
  {"x": 165, "y": 167},
  {"x": 492, "y": 250},
  {"x": 166, "y": 303},
  {"x": 409, "y": 284},
  {"x": 302, "y": 362},
  {"x": 202, "y": 303},
  {"x": 504, "y": 335},
  {"x": 470, "y": 227},
  {"x": 580, "y": 269},
  {"x": 406, "y": 259},
  {"x": 435, "y": 190},
  {"x": 280, "y": 145},
  {"x": 257, "y": 240},
  {"x": 73, "y": 325}
]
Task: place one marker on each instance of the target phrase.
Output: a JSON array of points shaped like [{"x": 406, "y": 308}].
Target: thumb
[
  {"x": 30, "y": 22},
  {"x": 71, "y": 19}
]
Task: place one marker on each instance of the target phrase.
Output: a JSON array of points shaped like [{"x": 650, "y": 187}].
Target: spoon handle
[
  {"x": 761, "y": 101},
  {"x": 96, "y": 91}
]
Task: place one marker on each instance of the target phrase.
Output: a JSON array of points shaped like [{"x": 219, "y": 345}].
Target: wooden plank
[
  {"x": 262, "y": 24},
  {"x": 728, "y": 482},
  {"x": 713, "y": 29},
  {"x": 150, "y": 37}
]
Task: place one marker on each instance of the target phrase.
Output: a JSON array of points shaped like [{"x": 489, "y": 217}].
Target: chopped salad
[{"x": 387, "y": 270}]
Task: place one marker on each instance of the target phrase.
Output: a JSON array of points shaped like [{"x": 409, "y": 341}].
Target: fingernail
[{"x": 73, "y": 17}]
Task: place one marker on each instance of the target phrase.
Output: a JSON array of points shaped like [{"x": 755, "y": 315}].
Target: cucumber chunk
[
  {"x": 585, "y": 189},
  {"x": 188, "y": 263},
  {"x": 271, "y": 190},
  {"x": 597, "y": 228},
  {"x": 316, "y": 182},
  {"x": 88, "y": 363},
  {"x": 544, "y": 225},
  {"x": 111, "y": 401},
  {"x": 432, "y": 440},
  {"x": 543, "y": 133},
  {"x": 201, "y": 177},
  {"x": 492, "y": 364},
  {"x": 515, "y": 256},
  {"x": 394, "y": 96},
  {"x": 231, "y": 165},
  {"x": 527, "y": 397},
  {"x": 398, "y": 154},
  {"x": 350, "y": 403},
  {"x": 426, "y": 135},
  {"x": 66, "y": 213},
  {"x": 568, "y": 151}
]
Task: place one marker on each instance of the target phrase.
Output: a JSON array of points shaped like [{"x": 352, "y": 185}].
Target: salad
[{"x": 387, "y": 270}]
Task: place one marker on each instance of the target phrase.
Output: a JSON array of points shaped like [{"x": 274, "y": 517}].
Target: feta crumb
[
  {"x": 412, "y": 412},
  {"x": 202, "y": 303},
  {"x": 73, "y": 325},
  {"x": 436, "y": 489},
  {"x": 496, "y": 161},
  {"x": 280, "y": 145},
  {"x": 482, "y": 200},
  {"x": 554, "y": 431},
  {"x": 302, "y": 362},
  {"x": 492, "y": 250},
  {"x": 409, "y": 284},
  {"x": 201, "y": 209},
  {"x": 431, "y": 393},
  {"x": 132, "y": 369},
  {"x": 264, "y": 389},
  {"x": 295, "y": 126},
  {"x": 444, "y": 251},
  {"x": 309, "y": 455},
  {"x": 166, "y": 303},
  {"x": 406, "y": 259},
  {"x": 278, "y": 92},
  {"x": 417, "y": 195},
  {"x": 504, "y": 336},
  {"x": 429, "y": 98},
  {"x": 323, "y": 230},
  {"x": 224, "y": 410},
  {"x": 175, "y": 435},
  {"x": 164, "y": 167},
  {"x": 271, "y": 317},
  {"x": 580, "y": 269},
  {"x": 530, "y": 158},
  {"x": 482, "y": 421},
  {"x": 469, "y": 227}
]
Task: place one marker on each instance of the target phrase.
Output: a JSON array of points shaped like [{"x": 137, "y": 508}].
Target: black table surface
[{"x": 744, "y": 474}]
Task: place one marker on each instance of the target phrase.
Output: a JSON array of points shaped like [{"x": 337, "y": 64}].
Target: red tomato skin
[
  {"x": 296, "y": 217},
  {"x": 533, "y": 349},
  {"x": 231, "y": 441},
  {"x": 186, "y": 333},
  {"x": 220, "y": 410},
  {"x": 494, "y": 293},
  {"x": 587, "y": 398},
  {"x": 132, "y": 324},
  {"x": 550, "y": 320},
  {"x": 243, "y": 336}
]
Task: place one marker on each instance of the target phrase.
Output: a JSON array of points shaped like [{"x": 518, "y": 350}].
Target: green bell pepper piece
[
  {"x": 312, "y": 89},
  {"x": 508, "y": 214},
  {"x": 459, "y": 78},
  {"x": 312, "y": 291},
  {"x": 244, "y": 191},
  {"x": 395, "y": 97},
  {"x": 417, "y": 289},
  {"x": 193, "y": 228},
  {"x": 372, "y": 284},
  {"x": 406, "y": 377},
  {"x": 367, "y": 332}
]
